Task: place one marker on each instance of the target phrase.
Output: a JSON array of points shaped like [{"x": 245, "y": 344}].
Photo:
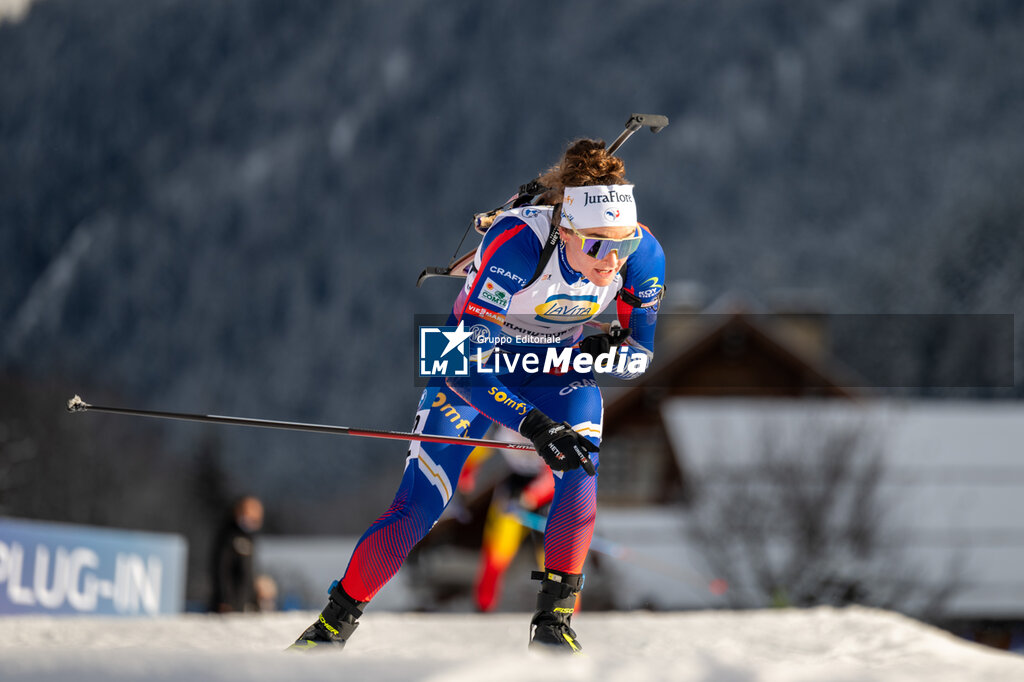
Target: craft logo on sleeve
[
  {"x": 444, "y": 351},
  {"x": 493, "y": 293}
]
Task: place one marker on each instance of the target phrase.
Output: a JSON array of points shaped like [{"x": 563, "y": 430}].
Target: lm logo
[{"x": 444, "y": 351}]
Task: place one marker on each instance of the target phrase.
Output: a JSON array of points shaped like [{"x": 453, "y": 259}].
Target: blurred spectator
[
  {"x": 266, "y": 593},
  {"x": 234, "y": 585}
]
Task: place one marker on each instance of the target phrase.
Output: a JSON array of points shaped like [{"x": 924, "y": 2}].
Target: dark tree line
[{"x": 223, "y": 207}]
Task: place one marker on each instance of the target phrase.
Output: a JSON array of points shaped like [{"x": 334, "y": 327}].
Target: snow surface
[
  {"x": 709, "y": 646},
  {"x": 13, "y": 10}
]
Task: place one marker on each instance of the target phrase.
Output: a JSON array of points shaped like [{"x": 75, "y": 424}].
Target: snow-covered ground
[
  {"x": 712, "y": 646},
  {"x": 13, "y": 9}
]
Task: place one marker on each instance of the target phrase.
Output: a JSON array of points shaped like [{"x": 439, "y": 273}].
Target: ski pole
[{"x": 76, "y": 404}]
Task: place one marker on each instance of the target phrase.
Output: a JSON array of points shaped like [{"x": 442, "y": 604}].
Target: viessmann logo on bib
[{"x": 562, "y": 308}]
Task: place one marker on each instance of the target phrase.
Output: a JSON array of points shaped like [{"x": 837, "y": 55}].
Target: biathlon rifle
[{"x": 459, "y": 266}]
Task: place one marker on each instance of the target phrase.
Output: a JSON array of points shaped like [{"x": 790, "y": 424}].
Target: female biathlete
[{"x": 521, "y": 298}]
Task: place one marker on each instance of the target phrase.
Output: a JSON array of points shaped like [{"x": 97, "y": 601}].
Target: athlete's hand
[
  {"x": 560, "y": 446},
  {"x": 597, "y": 344}
]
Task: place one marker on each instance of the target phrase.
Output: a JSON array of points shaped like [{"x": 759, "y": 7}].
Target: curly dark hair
[{"x": 585, "y": 162}]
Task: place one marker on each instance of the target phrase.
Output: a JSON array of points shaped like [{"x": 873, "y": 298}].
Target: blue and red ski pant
[{"x": 432, "y": 472}]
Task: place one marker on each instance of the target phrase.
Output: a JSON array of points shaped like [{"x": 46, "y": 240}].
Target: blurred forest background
[{"x": 222, "y": 207}]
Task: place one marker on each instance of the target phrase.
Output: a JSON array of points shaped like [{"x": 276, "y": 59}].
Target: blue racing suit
[{"x": 515, "y": 311}]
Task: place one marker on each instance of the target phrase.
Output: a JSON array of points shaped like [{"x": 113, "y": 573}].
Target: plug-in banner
[{"x": 61, "y": 568}]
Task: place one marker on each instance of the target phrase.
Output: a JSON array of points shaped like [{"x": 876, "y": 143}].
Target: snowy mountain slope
[{"x": 756, "y": 646}]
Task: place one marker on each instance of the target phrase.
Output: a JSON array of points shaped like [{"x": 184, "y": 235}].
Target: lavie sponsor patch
[
  {"x": 564, "y": 309},
  {"x": 493, "y": 293},
  {"x": 480, "y": 311}
]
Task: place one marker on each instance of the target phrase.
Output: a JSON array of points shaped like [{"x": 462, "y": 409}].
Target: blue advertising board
[{"x": 60, "y": 568}]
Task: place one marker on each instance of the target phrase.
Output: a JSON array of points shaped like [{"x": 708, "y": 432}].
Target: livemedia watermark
[
  {"x": 726, "y": 353},
  {"x": 458, "y": 351}
]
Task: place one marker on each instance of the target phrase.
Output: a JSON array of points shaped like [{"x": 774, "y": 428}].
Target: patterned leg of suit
[
  {"x": 431, "y": 473},
  {"x": 570, "y": 524}
]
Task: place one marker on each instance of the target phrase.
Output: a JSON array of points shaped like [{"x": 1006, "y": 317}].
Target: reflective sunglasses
[{"x": 600, "y": 247}]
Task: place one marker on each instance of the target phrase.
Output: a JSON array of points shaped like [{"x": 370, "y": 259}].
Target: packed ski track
[{"x": 792, "y": 645}]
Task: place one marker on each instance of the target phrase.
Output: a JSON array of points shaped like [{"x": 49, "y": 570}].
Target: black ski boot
[
  {"x": 336, "y": 624},
  {"x": 555, "y": 604}
]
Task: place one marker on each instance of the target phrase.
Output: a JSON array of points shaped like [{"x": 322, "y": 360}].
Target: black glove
[
  {"x": 602, "y": 343},
  {"x": 560, "y": 446}
]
